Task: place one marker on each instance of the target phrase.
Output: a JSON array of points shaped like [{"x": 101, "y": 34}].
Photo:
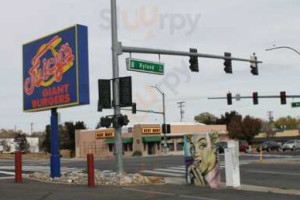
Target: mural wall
[{"x": 201, "y": 157}]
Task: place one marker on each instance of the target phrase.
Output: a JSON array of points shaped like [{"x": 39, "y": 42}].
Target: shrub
[{"x": 137, "y": 153}]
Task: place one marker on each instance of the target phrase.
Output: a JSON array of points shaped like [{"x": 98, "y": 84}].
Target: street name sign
[
  {"x": 295, "y": 104},
  {"x": 145, "y": 66}
]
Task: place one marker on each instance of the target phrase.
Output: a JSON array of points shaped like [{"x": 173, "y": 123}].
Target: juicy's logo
[{"x": 45, "y": 71}]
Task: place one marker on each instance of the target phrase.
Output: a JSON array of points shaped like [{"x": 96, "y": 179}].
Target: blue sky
[{"x": 211, "y": 26}]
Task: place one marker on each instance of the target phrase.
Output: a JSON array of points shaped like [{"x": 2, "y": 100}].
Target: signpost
[
  {"x": 55, "y": 75},
  {"x": 145, "y": 66},
  {"x": 295, "y": 104}
]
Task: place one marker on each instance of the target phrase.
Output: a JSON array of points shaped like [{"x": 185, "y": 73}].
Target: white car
[{"x": 291, "y": 145}]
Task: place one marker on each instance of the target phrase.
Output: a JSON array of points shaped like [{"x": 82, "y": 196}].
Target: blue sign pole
[{"x": 55, "y": 155}]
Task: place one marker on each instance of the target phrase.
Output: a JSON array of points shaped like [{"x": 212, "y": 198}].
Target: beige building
[{"x": 145, "y": 138}]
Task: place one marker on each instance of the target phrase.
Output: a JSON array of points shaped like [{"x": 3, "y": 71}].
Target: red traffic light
[
  {"x": 283, "y": 98},
  {"x": 255, "y": 98}
]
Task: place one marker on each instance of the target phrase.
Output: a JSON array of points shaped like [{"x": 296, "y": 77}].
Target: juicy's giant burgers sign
[{"x": 55, "y": 70}]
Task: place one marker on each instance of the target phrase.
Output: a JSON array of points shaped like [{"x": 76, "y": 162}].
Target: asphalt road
[
  {"x": 31, "y": 190},
  {"x": 280, "y": 169}
]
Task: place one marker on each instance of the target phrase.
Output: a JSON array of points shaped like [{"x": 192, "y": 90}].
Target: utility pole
[
  {"x": 181, "y": 106},
  {"x": 116, "y": 94},
  {"x": 271, "y": 119},
  {"x": 164, "y": 117},
  {"x": 31, "y": 128},
  {"x": 270, "y": 116}
]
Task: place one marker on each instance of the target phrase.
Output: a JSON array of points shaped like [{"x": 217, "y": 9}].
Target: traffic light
[
  {"x": 133, "y": 108},
  {"x": 105, "y": 122},
  {"x": 253, "y": 65},
  {"x": 123, "y": 120},
  {"x": 255, "y": 98},
  {"x": 194, "y": 61},
  {"x": 229, "y": 98},
  {"x": 227, "y": 63},
  {"x": 283, "y": 98},
  {"x": 166, "y": 128}
]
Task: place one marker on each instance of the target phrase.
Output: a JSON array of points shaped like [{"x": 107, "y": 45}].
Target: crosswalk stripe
[
  {"x": 8, "y": 177},
  {"x": 161, "y": 173},
  {"x": 177, "y": 171},
  {"x": 179, "y": 168},
  {"x": 7, "y": 173},
  {"x": 171, "y": 170}
]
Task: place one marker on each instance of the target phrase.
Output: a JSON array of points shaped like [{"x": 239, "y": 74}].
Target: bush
[{"x": 137, "y": 153}]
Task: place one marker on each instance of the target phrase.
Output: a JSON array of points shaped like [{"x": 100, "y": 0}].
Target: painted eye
[{"x": 203, "y": 146}]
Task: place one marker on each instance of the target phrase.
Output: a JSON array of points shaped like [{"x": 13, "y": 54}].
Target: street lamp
[
  {"x": 283, "y": 47},
  {"x": 164, "y": 116}
]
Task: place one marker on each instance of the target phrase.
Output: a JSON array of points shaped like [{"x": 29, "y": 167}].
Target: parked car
[
  {"x": 222, "y": 146},
  {"x": 268, "y": 146},
  {"x": 291, "y": 145},
  {"x": 243, "y": 146}
]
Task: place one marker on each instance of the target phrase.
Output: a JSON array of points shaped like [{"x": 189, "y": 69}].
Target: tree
[
  {"x": 66, "y": 136},
  {"x": 226, "y": 119},
  {"x": 244, "y": 128},
  {"x": 206, "y": 118},
  {"x": 251, "y": 128},
  {"x": 8, "y": 133},
  {"x": 46, "y": 144},
  {"x": 286, "y": 122},
  {"x": 22, "y": 143}
]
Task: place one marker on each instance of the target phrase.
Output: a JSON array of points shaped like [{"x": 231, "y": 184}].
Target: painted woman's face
[{"x": 203, "y": 154}]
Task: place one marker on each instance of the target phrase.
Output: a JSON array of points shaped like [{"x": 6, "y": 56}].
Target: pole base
[{"x": 55, "y": 166}]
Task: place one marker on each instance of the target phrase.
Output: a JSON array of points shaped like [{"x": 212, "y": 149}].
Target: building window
[
  {"x": 130, "y": 146},
  {"x": 179, "y": 146},
  {"x": 111, "y": 147},
  {"x": 171, "y": 146},
  {"x": 125, "y": 147}
]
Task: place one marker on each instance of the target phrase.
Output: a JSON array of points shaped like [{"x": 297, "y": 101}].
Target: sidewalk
[{"x": 37, "y": 190}]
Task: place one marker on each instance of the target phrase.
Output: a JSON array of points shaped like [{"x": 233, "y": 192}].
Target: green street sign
[
  {"x": 295, "y": 104},
  {"x": 145, "y": 66}
]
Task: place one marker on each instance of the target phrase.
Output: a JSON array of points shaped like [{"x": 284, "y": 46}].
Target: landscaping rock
[{"x": 101, "y": 178}]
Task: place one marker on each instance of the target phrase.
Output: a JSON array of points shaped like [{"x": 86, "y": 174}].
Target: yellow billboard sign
[
  {"x": 103, "y": 134},
  {"x": 151, "y": 130}
]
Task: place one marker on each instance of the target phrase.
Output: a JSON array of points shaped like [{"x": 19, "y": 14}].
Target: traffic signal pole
[
  {"x": 116, "y": 94},
  {"x": 127, "y": 49},
  {"x": 260, "y": 97}
]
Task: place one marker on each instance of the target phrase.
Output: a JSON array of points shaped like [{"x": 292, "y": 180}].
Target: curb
[{"x": 254, "y": 188}]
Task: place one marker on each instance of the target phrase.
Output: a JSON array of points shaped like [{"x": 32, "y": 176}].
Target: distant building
[
  {"x": 146, "y": 138},
  {"x": 33, "y": 142},
  {"x": 281, "y": 136}
]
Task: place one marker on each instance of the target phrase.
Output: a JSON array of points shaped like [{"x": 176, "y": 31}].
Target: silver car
[{"x": 291, "y": 145}]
